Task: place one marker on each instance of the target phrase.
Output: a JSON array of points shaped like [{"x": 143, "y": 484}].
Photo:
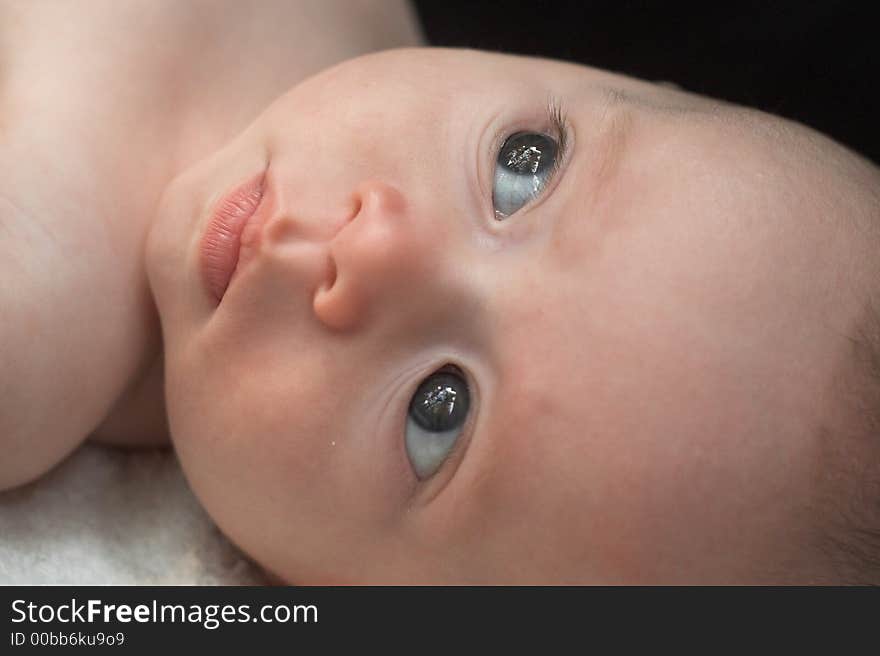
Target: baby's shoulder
[{"x": 75, "y": 316}]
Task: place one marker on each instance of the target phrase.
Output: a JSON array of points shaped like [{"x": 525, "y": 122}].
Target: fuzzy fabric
[{"x": 107, "y": 516}]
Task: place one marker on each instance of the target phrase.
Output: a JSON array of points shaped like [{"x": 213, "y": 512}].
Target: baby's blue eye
[
  {"x": 437, "y": 412},
  {"x": 525, "y": 164}
]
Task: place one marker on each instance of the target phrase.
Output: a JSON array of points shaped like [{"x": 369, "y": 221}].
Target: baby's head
[{"x": 501, "y": 319}]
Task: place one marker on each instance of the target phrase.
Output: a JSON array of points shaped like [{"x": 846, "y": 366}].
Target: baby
[
  {"x": 450, "y": 317},
  {"x": 443, "y": 316}
]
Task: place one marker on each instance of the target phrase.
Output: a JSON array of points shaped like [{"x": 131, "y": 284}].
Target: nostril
[
  {"x": 330, "y": 272},
  {"x": 333, "y": 304},
  {"x": 355, "y": 206}
]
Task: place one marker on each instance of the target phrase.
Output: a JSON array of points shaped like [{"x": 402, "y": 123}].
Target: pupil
[
  {"x": 526, "y": 153},
  {"x": 441, "y": 403},
  {"x": 524, "y": 158}
]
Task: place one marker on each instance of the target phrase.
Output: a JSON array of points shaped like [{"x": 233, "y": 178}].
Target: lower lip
[{"x": 221, "y": 242}]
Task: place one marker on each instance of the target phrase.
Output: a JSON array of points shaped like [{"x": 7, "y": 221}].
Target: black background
[{"x": 815, "y": 62}]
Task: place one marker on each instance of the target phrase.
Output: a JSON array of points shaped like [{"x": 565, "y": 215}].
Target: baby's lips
[{"x": 221, "y": 241}]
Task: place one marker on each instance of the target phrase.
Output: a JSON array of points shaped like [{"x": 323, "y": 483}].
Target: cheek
[
  {"x": 638, "y": 460},
  {"x": 250, "y": 416},
  {"x": 258, "y": 457},
  {"x": 270, "y": 453},
  {"x": 554, "y": 479}
]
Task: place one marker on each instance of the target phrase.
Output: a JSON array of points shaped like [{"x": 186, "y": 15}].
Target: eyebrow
[
  {"x": 617, "y": 134},
  {"x": 617, "y": 113},
  {"x": 616, "y": 96},
  {"x": 620, "y": 108},
  {"x": 615, "y": 129}
]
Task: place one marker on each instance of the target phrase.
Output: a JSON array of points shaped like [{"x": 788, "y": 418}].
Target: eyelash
[
  {"x": 559, "y": 125},
  {"x": 556, "y": 119}
]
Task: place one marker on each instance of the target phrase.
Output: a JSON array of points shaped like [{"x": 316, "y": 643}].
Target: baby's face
[{"x": 598, "y": 357}]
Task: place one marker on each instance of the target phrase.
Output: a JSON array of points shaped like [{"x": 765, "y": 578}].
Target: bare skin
[
  {"x": 648, "y": 342},
  {"x": 100, "y": 109}
]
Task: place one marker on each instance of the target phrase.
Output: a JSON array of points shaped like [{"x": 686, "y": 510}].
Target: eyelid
[
  {"x": 554, "y": 124},
  {"x": 427, "y": 490}
]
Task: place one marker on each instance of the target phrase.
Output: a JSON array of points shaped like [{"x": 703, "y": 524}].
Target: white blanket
[{"x": 107, "y": 516}]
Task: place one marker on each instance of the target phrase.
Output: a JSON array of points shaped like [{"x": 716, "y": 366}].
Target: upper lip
[{"x": 221, "y": 240}]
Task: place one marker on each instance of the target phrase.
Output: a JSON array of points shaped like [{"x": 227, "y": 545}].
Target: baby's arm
[{"x": 51, "y": 392}]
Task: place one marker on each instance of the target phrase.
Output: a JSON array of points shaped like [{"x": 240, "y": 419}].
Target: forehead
[
  {"x": 463, "y": 67},
  {"x": 443, "y": 80},
  {"x": 432, "y": 73}
]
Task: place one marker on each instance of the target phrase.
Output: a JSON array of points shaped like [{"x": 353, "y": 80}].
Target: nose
[{"x": 378, "y": 255}]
